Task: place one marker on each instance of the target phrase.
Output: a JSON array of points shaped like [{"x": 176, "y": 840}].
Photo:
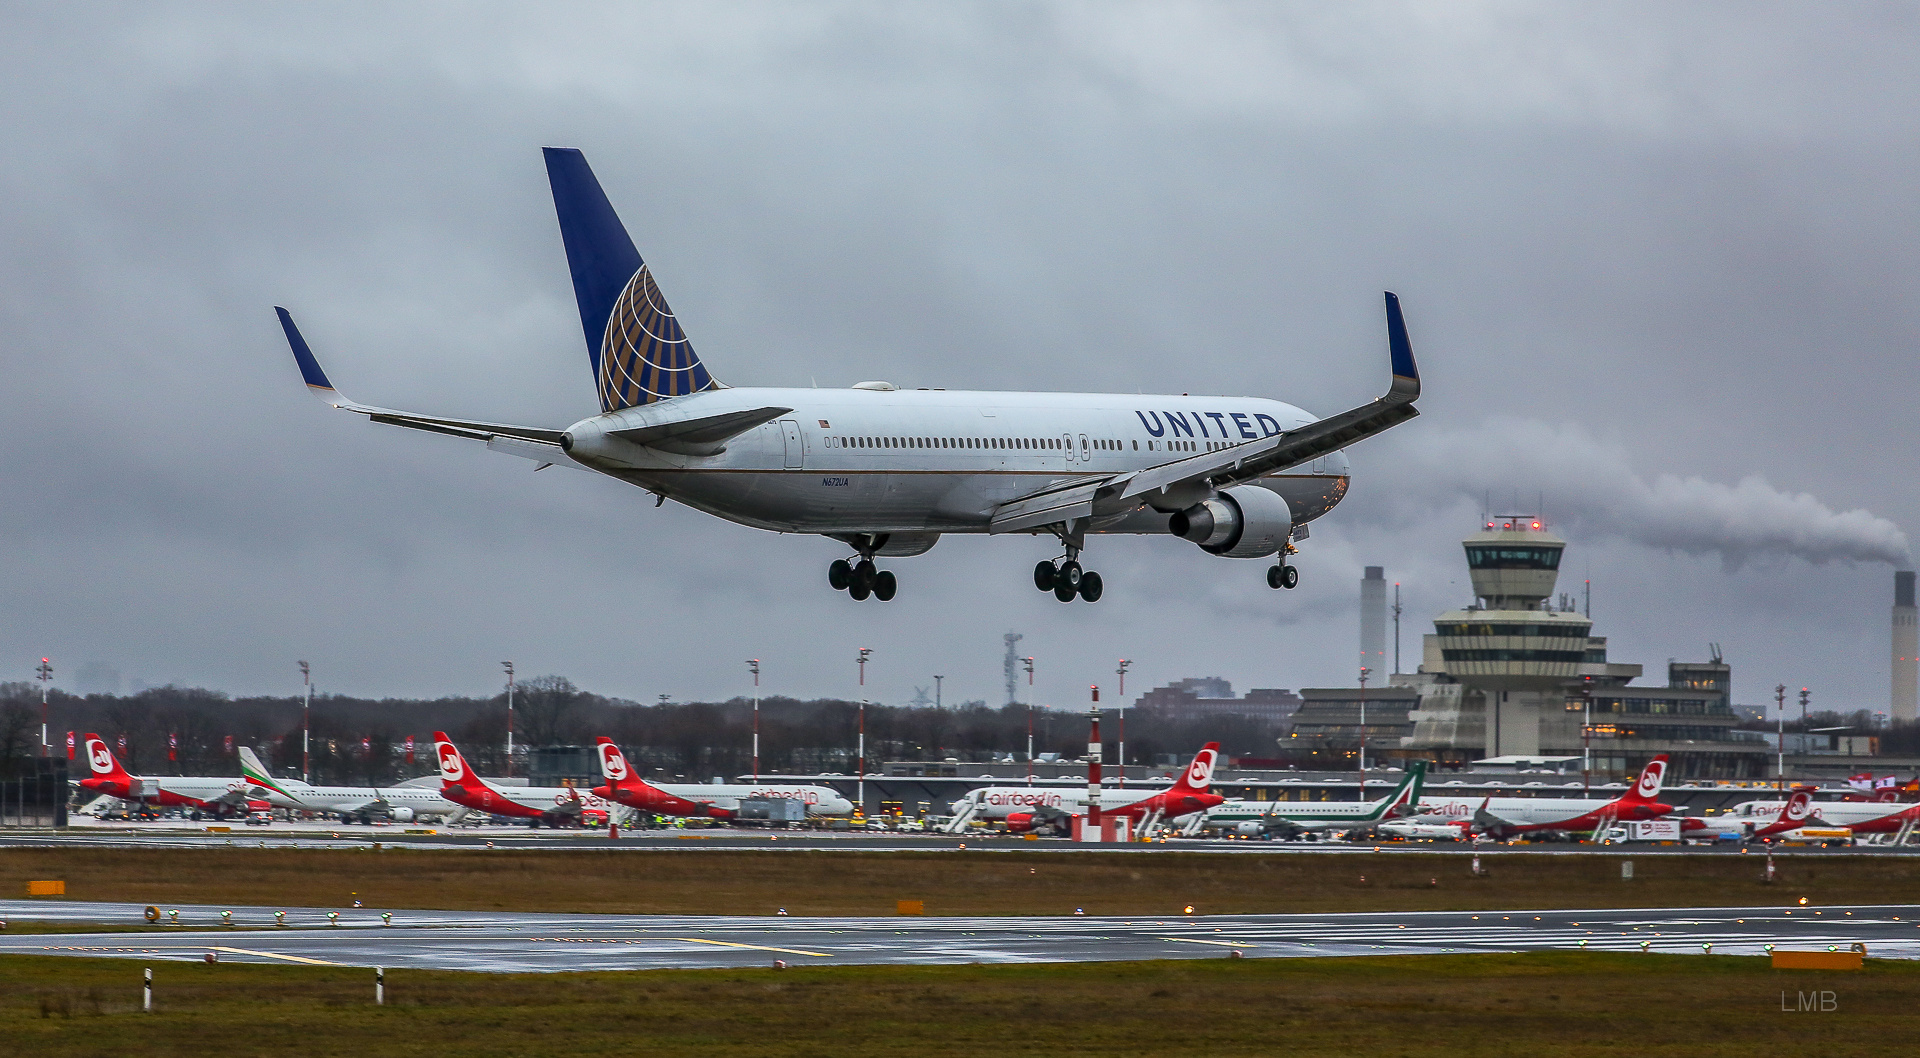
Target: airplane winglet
[
  {"x": 1406, "y": 373},
  {"x": 310, "y": 371}
]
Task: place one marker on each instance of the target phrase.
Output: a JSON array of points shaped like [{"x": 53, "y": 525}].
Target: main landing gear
[
  {"x": 860, "y": 579},
  {"x": 1066, "y": 579},
  {"x": 1283, "y": 576}
]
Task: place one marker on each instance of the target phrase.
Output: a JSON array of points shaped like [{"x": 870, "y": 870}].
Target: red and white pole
[{"x": 1093, "y": 770}]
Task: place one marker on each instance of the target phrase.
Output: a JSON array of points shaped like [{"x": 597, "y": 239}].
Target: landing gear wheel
[
  {"x": 1090, "y": 586},
  {"x": 1069, "y": 575},
  {"x": 1273, "y": 577},
  {"x": 840, "y": 574},
  {"x": 1043, "y": 576},
  {"x": 884, "y": 585},
  {"x": 1289, "y": 576},
  {"x": 1063, "y": 591},
  {"x": 859, "y": 589}
]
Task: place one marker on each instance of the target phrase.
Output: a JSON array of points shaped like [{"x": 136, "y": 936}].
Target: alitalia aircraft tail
[
  {"x": 638, "y": 351},
  {"x": 1405, "y": 799}
]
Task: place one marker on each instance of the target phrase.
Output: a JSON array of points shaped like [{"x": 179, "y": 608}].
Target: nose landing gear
[
  {"x": 1066, "y": 580},
  {"x": 861, "y": 579},
  {"x": 1283, "y": 576}
]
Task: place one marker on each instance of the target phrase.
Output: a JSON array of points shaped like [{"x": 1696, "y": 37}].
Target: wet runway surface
[{"x": 511, "y": 942}]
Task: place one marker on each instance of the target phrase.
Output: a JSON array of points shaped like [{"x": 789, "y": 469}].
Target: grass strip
[
  {"x": 835, "y": 882},
  {"x": 1534, "y": 1005}
]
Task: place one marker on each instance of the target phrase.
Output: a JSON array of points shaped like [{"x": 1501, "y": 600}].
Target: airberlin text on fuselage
[
  {"x": 1024, "y": 798},
  {"x": 1242, "y": 425}
]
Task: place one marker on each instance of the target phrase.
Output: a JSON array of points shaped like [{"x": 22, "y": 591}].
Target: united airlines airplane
[{"x": 886, "y": 471}]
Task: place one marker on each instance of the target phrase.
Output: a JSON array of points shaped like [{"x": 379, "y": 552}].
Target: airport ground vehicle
[{"x": 886, "y": 471}]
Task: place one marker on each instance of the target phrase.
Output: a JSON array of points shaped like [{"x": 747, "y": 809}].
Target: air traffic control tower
[{"x": 1510, "y": 650}]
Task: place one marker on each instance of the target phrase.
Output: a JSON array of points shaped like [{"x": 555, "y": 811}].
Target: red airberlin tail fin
[{"x": 1198, "y": 778}]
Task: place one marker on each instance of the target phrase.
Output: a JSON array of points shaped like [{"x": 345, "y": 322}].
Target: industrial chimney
[
  {"x": 1906, "y": 647},
  {"x": 1373, "y": 621}
]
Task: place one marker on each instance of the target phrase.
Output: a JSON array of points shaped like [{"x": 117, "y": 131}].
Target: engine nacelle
[
  {"x": 1249, "y": 829},
  {"x": 1019, "y": 822},
  {"x": 1245, "y": 521}
]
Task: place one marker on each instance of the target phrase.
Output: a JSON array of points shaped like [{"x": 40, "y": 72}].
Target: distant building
[
  {"x": 1204, "y": 697},
  {"x": 1513, "y": 676},
  {"x": 1373, "y": 623}
]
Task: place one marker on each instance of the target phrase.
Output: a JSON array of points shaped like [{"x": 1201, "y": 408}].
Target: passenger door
[{"x": 796, "y": 455}]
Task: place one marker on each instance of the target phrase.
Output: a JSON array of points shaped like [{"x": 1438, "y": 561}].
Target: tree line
[{"x": 363, "y": 741}]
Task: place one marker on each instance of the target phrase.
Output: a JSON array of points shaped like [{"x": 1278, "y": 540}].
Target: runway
[{"x": 500, "y": 942}]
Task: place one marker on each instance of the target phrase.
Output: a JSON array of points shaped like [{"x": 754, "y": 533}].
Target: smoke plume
[{"x": 1593, "y": 490}]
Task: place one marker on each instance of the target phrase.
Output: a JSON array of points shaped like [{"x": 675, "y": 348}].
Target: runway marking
[
  {"x": 755, "y": 947},
  {"x": 1222, "y": 943},
  {"x": 275, "y": 955}
]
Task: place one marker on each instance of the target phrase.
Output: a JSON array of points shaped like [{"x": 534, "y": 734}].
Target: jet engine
[
  {"x": 401, "y": 815},
  {"x": 1245, "y": 521},
  {"x": 1249, "y": 829}
]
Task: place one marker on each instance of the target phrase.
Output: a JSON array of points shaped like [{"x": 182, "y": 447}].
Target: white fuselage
[
  {"x": 425, "y": 803},
  {"x": 1863, "y": 816},
  {"x": 820, "y": 800},
  {"x": 999, "y": 802},
  {"x": 1575, "y": 812},
  {"x": 937, "y": 461}
]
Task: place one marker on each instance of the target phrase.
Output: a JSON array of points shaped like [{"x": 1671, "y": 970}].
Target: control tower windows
[{"x": 1500, "y": 556}]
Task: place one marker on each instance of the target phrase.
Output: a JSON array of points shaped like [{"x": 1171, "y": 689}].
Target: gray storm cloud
[{"x": 1591, "y": 487}]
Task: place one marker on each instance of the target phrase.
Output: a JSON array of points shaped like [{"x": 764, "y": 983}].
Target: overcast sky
[{"x": 1658, "y": 262}]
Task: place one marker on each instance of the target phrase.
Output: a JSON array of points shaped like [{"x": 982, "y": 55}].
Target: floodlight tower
[
  {"x": 45, "y": 673},
  {"x": 1120, "y": 705},
  {"x": 862, "y": 781},
  {"x": 1029, "y": 663},
  {"x": 306, "y": 723},
  {"x": 508, "y": 665},
  {"x": 753, "y": 666}
]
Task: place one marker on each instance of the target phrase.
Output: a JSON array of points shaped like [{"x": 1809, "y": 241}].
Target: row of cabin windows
[{"x": 1024, "y": 443}]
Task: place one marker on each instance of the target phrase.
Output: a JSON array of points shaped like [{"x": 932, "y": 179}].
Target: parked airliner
[
  {"x": 212, "y": 793},
  {"x": 402, "y": 804},
  {"x": 885, "y": 470},
  {"x": 708, "y": 800}
]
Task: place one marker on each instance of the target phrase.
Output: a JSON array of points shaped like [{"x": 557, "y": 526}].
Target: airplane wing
[{"x": 1238, "y": 464}]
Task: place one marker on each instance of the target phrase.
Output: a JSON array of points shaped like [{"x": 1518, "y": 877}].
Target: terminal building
[{"x": 1515, "y": 676}]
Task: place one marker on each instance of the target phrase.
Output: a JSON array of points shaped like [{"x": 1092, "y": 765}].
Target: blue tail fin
[{"x": 638, "y": 351}]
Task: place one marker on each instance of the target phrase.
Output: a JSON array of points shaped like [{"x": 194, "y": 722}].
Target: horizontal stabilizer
[
  {"x": 321, "y": 387},
  {"x": 704, "y": 435}
]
